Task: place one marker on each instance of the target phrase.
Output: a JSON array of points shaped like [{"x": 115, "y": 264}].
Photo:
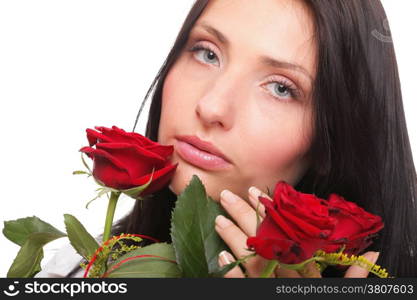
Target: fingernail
[
  {"x": 254, "y": 192},
  {"x": 222, "y": 222},
  {"x": 228, "y": 197},
  {"x": 225, "y": 258}
]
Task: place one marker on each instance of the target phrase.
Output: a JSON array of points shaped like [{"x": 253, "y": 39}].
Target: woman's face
[{"x": 242, "y": 83}]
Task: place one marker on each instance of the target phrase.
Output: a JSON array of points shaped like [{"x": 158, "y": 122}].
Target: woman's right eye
[{"x": 204, "y": 54}]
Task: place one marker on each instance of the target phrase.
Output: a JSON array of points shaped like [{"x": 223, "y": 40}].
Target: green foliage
[
  {"x": 31, "y": 234},
  {"x": 193, "y": 234},
  {"x": 79, "y": 238},
  {"x": 193, "y": 252},
  {"x": 19, "y": 230},
  {"x": 108, "y": 251},
  {"x": 130, "y": 265}
]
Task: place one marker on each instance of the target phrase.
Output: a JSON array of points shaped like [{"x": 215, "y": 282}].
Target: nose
[{"x": 217, "y": 106}]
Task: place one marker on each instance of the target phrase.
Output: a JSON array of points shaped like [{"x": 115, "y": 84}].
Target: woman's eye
[
  {"x": 281, "y": 90},
  {"x": 204, "y": 54}
]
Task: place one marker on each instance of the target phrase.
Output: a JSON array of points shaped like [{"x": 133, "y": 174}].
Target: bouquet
[{"x": 297, "y": 229}]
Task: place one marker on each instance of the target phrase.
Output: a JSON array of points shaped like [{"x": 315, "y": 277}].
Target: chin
[{"x": 183, "y": 176}]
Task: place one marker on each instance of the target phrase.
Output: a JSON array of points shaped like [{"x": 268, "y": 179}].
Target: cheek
[
  {"x": 180, "y": 90},
  {"x": 171, "y": 105},
  {"x": 279, "y": 153}
]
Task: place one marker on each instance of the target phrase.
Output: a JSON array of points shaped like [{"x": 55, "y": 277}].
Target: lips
[
  {"x": 203, "y": 145},
  {"x": 201, "y": 154}
]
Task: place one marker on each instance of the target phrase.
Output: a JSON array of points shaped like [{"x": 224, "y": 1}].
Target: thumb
[{"x": 310, "y": 271}]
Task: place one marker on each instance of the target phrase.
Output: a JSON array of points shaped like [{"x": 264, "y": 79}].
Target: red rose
[
  {"x": 298, "y": 224},
  {"x": 124, "y": 160},
  {"x": 355, "y": 226}
]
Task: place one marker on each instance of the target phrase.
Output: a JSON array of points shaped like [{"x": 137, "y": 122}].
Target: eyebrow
[{"x": 266, "y": 60}]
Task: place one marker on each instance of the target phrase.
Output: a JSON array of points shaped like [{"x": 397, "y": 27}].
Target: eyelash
[
  {"x": 199, "y": 47},
  {"x": 294, "y": 92}
]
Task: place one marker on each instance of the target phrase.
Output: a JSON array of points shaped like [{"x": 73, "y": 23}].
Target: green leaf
[
  {"x": 19, "y": 230},
  {"x": 146, "y": 267},
  {"x": 79, "y": 238},
  {"x": 28, "y": 259},
  {"x": 32, "y": 234},
  {"x": 80, "y": 173},
  {"x": 194, "y": 237},
  {"x": 222, "y": 271}
]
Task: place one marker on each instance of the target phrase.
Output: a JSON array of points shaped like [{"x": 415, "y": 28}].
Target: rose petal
[
  {"x": 137, "y": 161},
  {"x": 143, "y": 152},
  {"x": 316, "y": 213},
  {"x": 108, "y": 169},
  {"x": 140, "y": 139},
  {"x": 119, "y": 135},
  {"x": 308, "y": 229},
  {"x": 161, "y": 150},
  {"x": 94, "y": 153},
  {"x": 160, "y": 178},
  {"x": 285, "y": 251},
  {"x": 305, "y": 204},
  {"x": 95, "y": 136},
  {"x": 87, "y": 150},
  {"x": 354, "y": 212},
  {"x": 269, "y": 229},
  {"x": 270, "y": 210}
]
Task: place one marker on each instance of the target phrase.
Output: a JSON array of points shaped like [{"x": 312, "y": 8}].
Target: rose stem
[
  {"x": 269, "y": 269},
  {"x": 110, "y": 215}
]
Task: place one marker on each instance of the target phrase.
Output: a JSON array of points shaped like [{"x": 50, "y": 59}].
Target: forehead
[{"x": 283, "y": 29}]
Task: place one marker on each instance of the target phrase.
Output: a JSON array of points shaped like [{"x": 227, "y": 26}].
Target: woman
[{"x": 285, "y": 89}]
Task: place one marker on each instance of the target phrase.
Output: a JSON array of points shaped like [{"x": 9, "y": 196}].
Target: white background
[{"x": 70, "y": 65}]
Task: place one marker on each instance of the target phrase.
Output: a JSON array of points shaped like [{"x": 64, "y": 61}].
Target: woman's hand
[{"x": 236, "y": 233}]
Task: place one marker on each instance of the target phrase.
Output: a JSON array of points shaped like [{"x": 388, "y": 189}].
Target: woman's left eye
[
  {"x": 282, "y": 90},
  {"x": 207, "y": 55}
]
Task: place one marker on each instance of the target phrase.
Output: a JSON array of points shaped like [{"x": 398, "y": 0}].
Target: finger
[
  {"x": 235, "y": 238},
  {"x": 359, "y": 272},
  {"x": 310, "y": 271},
  {"x": 254, "y": 193},
  {"x": 241, "y": 212},
  {"x": 285, "y": 273},
  {"x": 226, "y": 258}
]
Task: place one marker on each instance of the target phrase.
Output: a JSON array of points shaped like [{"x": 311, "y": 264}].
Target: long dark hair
[{"x": 360, "y": 149}]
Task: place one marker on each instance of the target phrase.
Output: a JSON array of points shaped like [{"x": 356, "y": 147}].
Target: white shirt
[{"x": 64, "y": 260}]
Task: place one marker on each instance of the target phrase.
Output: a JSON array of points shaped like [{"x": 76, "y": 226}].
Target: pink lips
[{"x": 201, "y": 154}]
